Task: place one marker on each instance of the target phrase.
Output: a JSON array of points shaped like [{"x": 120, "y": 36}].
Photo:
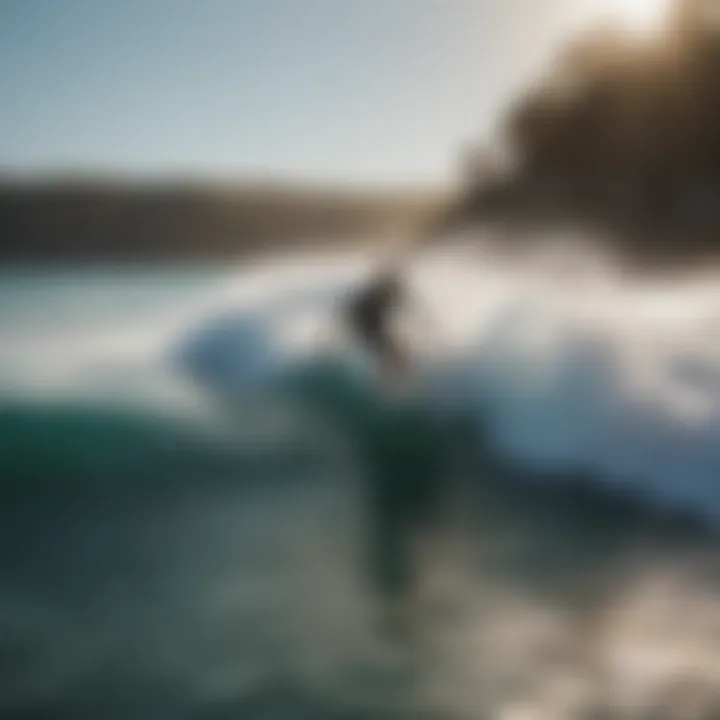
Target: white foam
[{"x": 594, "y": 372}]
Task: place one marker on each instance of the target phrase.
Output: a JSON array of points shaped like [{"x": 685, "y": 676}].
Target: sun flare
[{"x": 642, "y": 16}]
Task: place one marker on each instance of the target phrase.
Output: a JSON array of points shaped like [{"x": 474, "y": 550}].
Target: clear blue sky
[{"x": 361, "y": 90}]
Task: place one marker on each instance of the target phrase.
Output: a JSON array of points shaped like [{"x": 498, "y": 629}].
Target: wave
[
  {"x": 619, "y": 383},
  {"x": 61, "y": 453},
  {"x": 207, "y": 566},
  {"x": 188, "y": 567},
  {"x": 583, "y": 372}
]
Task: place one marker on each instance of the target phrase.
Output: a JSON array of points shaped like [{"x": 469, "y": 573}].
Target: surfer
[
  {"x": 370, "y": 317},
  {"x": 372, "y": 311}
]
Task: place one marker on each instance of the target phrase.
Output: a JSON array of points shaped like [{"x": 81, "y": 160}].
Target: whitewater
[{"x": 574, "y": 365}]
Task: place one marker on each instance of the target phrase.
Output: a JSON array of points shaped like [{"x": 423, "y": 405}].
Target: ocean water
[{"x": 211, "y": 507}]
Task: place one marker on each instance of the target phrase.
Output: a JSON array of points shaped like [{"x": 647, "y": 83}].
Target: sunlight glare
[{"x": 641, "y": 16}]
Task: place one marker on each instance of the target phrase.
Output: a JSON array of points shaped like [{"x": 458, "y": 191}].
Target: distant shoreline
[{"x": 90, "y": 222}]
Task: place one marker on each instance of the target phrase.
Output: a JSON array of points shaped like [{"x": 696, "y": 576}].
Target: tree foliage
[{"x": 624, "y": 134}]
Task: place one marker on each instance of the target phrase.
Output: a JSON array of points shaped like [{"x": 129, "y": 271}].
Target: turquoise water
[{"x": 207, "y": 513}]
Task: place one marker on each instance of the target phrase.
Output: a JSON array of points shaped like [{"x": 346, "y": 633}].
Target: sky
[{"x": 372, "y": 91}]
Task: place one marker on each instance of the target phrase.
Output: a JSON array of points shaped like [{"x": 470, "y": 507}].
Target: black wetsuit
[{"x": 371, "y": 310}]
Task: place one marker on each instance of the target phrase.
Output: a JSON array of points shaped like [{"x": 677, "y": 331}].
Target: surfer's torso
[
  {"x": 370, "y": 315},
  {"x": 371, "y": 311}
]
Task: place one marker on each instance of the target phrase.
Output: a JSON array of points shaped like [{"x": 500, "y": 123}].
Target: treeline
[
  {"x": 104, "y": 221},
  {"x": 623, "y": 137}
]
